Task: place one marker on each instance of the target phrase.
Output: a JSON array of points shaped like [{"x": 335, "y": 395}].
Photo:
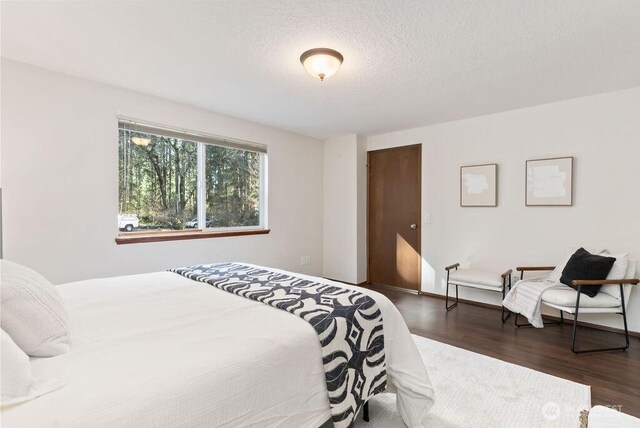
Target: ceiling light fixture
[{"x": 321, "y": 62}]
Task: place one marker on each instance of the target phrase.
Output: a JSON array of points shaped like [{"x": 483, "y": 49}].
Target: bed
[{"x": 160, "y": 349}]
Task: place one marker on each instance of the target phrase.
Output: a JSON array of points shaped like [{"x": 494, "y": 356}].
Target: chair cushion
[
  {"x": 557, "y": 272},
  {"x": 566, "y": 296},
  {"x": 475, "y": 276},
  {"x": 584, "y": 265},
  {"x": 619, "y": 268}
]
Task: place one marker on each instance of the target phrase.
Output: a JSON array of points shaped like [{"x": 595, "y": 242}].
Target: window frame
[{"x": 201, "y": 199}]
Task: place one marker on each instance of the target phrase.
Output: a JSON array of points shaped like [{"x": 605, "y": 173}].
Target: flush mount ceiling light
[{"x": 321, "y": 62}]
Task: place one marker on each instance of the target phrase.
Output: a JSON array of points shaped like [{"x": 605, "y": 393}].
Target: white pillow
[
  {"x": 32, "y": 311},
  {"x": 16, "y": 372},
  {"x": 557, "y": 272},
  {"x": 17, "y": 382},
  {"x": 619, "y": 268}
]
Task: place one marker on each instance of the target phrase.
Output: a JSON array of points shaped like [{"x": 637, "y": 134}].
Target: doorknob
[{"x": 413, "y": 226}]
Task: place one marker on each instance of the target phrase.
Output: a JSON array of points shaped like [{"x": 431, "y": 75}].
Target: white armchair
[{"x": 612, "y": 298}]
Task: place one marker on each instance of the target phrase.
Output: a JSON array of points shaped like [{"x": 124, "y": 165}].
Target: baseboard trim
[
  {"x": 390, "y": 287},
  {"x": 547, "y": 317},
  {"x": 360, "y": 284},
  {"x": 468, "y": 302}
]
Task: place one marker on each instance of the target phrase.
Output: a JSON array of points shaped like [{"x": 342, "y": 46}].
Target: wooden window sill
[{"x": 142, "y": 237}]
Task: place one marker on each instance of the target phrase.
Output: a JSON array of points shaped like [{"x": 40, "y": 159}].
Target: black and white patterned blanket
[{"x": 348, "y": 324}]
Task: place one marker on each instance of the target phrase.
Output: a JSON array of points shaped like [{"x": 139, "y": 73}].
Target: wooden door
[{"x": 394, "y": 217}]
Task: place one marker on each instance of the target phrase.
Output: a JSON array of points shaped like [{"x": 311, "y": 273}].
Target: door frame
[{"x": 419, "y": 145}]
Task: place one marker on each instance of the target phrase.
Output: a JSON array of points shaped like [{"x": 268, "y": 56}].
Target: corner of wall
[
  {"x": 361, "y": 214},
  {"x": 344, "y": 193}
]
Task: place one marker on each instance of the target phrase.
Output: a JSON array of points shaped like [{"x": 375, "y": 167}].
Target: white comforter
[{"x": 159, "y": 349}]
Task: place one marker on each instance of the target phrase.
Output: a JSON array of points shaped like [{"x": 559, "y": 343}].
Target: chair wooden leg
[{"x": 365, "y": 412}]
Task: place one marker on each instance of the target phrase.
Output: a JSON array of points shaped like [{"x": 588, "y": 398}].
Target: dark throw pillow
[{"x": 584, "y": 265}]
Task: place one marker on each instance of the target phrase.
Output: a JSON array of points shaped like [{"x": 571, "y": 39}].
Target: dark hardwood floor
[{"x": 614, "y": 377}]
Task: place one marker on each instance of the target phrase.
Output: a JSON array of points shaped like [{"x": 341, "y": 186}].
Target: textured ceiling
[{"x": 407, "y": 63}]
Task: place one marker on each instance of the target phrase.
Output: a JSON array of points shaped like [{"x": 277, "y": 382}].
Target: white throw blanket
[
  {"x": 348, "y": 324},
  {"x": 525, "y": 297}
]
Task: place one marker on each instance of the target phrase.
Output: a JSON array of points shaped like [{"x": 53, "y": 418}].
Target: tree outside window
[{"x": 158, "y": 184}]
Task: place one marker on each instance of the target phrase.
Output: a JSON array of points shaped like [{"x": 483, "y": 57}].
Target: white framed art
[
  {"x": 479, "y": 185},
  {"x": 549, "y": 182}
]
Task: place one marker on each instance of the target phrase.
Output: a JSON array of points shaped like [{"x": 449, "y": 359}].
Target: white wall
[
  {"x": 60, "y": 181},
  {"x": 345, "y": 181},
  {"x": 361, "y": 208},
  {"x": 603, "y": 134},
  {"x": 340, "y": 222}
]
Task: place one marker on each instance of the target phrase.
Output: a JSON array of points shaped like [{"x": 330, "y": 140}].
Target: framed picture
[
  {"x": 549, "y": 182},
  {"x": 479, "y": 185}
]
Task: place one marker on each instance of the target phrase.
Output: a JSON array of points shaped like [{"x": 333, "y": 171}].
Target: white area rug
[{"x": 473, "y": 390}]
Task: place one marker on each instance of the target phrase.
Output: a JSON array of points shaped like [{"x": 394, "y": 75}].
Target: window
[
  {"x": 232, "y": 187},
  {"x": 172, "y": 180}
]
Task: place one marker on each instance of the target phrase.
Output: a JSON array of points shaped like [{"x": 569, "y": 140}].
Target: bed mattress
[{"x": 161, "y": 350}]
